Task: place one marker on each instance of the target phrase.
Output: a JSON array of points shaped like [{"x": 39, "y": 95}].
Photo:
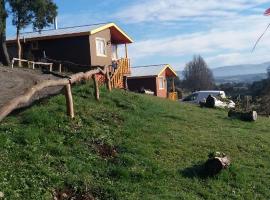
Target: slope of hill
[{"x": 130, "y": 146}]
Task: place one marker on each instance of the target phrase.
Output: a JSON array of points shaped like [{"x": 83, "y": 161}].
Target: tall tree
[
  {"x": 39, "y": 13},
  {"x": 4, "y": 57},
  {"x": 197, "y": 75}
]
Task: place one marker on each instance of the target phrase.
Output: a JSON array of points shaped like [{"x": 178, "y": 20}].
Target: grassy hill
[{"x": 129, "y": 146}]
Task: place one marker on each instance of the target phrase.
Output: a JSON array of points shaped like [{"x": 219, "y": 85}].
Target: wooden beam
[{"x": 69, "y": 101}]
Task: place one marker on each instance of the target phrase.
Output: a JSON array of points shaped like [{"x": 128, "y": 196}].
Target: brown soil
[
  {"x": 68, "y": 194},
  {"x": 14, "y": 82},
  {"x": 105, "y": 151}
]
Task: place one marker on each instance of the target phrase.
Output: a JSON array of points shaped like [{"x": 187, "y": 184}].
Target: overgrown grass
[{"x": 159, "y": 147}]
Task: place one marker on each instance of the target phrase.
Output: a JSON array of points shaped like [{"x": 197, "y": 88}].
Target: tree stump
[{"x": 215, "y": 165}]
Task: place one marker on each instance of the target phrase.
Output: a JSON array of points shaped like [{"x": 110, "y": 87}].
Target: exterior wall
[
  {"x": 136, "y": 84},
  {"x": 161, "y": 92},
  {"x": 101, "y": 60},
  {"x": 72, "y": 49}
]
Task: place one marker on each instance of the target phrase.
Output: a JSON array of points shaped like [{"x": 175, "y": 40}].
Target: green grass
[{"x": 159, "y": 146}]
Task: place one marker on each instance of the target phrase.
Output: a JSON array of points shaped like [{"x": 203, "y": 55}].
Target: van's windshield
[{"x": 191, "y": 97}]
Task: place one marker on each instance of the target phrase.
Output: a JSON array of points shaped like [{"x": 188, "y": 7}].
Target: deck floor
[{"x": 14, "y": 82}]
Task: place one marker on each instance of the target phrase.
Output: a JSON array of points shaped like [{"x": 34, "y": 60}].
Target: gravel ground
[{"x": 14, "y": 82}]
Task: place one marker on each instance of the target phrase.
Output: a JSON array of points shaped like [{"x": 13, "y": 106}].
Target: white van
[{"x": 199, "y": 96}]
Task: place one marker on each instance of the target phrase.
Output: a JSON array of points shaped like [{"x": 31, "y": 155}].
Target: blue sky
[{"x": 172, "y": 31}]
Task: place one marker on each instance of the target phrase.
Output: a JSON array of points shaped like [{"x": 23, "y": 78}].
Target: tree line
[
  {"x": 38, "y": 13},
  {"x": 196, "y": 76}
]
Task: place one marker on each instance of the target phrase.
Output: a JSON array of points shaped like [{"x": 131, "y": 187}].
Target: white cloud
[
  {"x": 168, "y": 10},
  {"x": 229, "y": 42}
]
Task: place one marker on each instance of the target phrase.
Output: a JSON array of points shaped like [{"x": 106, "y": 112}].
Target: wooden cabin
[
  {"x": 153, "y": 78},
  {"x": 83, "y": 46}
]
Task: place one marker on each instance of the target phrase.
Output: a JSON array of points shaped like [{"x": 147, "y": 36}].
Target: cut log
[{"x": 245, "y": 116}]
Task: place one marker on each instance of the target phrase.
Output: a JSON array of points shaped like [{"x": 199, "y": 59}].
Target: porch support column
[
  {"x": 173, "y": 85},
  {"x": 116, "y": 49},
  {"x": 126, "y": 50}
]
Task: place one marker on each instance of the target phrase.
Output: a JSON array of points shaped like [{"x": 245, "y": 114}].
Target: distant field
[{"x": 130, "y": 146}]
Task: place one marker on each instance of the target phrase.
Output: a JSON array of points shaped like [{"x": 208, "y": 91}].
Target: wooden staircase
[{"x": 123, "y": 69}]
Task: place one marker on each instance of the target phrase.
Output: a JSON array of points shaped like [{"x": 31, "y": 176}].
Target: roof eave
[{"x": 109, "y": 26}]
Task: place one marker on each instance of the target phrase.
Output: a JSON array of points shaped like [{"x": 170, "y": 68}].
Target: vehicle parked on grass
[{"x": 201, "y": 96}]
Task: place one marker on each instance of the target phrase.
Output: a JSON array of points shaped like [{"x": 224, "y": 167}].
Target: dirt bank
[{"x": 14, "y": 82}]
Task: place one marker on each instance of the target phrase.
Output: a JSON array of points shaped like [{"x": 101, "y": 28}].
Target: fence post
[
  {"x": 69, "y": 101},
  {"x": 96, "y": 88},
  {"x": 60, "y": 68}
]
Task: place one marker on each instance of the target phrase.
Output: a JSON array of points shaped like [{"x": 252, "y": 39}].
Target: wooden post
[
  {"x": 60, "y": 68},
  {"x": 69, "y": 101},
  {"x": 12, "y": 63},
  {"x": 173, "y": 85},
  {"x": 96, "y": 88},
  {"x": 51, "y": 66},
  {"x": 125, "y": 82},
  {"x": 126, "y": 50},
  {"x": 108, "y": 81}
]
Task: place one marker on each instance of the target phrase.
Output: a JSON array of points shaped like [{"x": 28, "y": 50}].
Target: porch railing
[{"x": 123, "y": 69}]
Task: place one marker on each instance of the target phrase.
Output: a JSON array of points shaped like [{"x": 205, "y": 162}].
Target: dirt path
[{"x": 14, "y": 82}]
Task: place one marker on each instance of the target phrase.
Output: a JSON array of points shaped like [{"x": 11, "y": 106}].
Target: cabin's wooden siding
[
  {"x": 101, "y": 60},
  {"x": 72, "y": 49}
]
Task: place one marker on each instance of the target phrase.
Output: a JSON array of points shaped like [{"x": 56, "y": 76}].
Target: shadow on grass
[{"x": 200, "y": 170}]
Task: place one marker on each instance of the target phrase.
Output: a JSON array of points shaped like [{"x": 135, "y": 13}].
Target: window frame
[{"x": 98, "y": 39}]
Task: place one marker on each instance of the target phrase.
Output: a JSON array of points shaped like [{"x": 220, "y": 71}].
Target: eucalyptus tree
[
  {"x": 38, "y": 13},
  {"x": 4, "y": 57}
]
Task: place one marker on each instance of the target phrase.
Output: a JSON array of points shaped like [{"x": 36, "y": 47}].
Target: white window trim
[
  {"x": 104, "y": 40},
  {"x": 163, "y": 80}
]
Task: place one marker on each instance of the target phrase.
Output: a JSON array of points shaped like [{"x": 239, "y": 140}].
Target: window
[
  {"x": 192, "y": 97},
  {"x": 161, "y": 83},
  {"x": 101, "y": 46}
]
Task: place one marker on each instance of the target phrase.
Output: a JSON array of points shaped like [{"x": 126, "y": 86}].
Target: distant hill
[
  {"x": 235, "y": 70},
  {"x": 249, "y": 78},
  {"x": 239, "y": 73}
]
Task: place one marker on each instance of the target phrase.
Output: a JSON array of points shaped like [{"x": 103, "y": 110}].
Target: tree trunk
[
  {"x": 19, "y": 47},
  {"x": 4, "y": 57}
]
